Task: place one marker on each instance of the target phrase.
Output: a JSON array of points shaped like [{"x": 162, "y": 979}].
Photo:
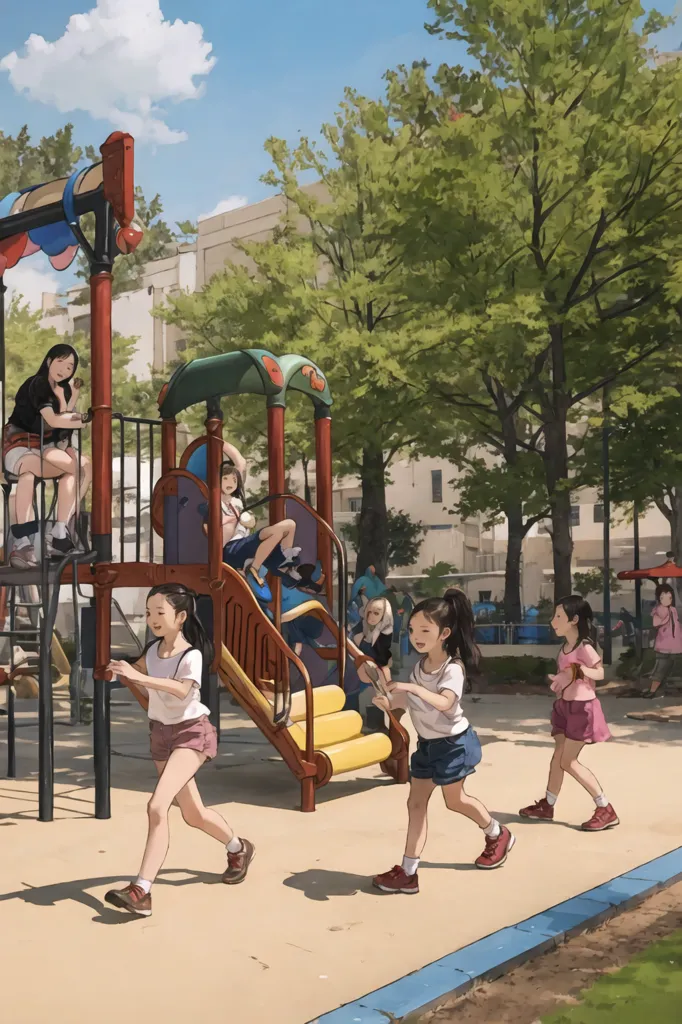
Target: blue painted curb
[{"x": 496, "y": 954}]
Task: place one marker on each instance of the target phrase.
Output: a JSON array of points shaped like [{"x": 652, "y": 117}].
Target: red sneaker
[
  {"x": 496, "y": 850},
  {"x": 396, "y": 880},
  {"x": 603, "y": 818},
  {"x": 541, "y": 810},
  {"x": 132, "y": 898}
]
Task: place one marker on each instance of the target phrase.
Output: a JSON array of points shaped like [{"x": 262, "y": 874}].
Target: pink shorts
[
  {"x": 581, "y": 720},
  {"x": 197, "y": 734}
]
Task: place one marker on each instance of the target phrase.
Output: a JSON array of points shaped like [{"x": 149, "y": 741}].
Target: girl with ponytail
[
  {"x": 182, "y": 738},
  {"x": 442, "y": 631}
]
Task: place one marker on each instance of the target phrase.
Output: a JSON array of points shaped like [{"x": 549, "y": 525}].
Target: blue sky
[{"x": 280, "y": 68}]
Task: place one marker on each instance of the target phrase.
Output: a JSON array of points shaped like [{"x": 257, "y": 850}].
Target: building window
[
  {"x": 441, "y": 526},
  {"x": 354, "y": 504},
  {"x": 436, "y": 485},
  {"x": 598, "y": 513},
  {"x": 575, "y": 515}
]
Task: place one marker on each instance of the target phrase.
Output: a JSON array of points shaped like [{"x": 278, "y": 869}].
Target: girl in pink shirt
[
  {"x": 577, "y": 715},
  {"x": 668, "y": 642}
]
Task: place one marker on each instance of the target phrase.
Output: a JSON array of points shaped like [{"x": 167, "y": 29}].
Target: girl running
[
  {"x": 182, "y": 739},
  {"x": 577, "y": 716},
  {"x": 442, "y": 631},
  {"x": 668, "y": 642}
]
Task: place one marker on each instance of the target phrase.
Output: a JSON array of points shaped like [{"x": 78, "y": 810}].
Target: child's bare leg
[
  {"x": 556, "y": 772},
  {"x": 197, "y": 815},
  {"x": 457, "y": 800},
  {"x": 178, "y": 770},
  {"x": 421, "y": 791},
  {"x": 282, "y": 533},
  {"x": 581, "y": 774}
]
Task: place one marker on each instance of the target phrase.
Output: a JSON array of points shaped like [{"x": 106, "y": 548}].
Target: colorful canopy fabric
[
  {"x": 668, "y": 570},
  {"x": 57, "y": 240}
]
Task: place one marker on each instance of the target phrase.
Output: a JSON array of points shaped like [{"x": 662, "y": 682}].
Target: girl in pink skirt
[{"x": 577, "y": 716}]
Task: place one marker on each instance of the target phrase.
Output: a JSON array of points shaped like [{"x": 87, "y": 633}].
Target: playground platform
[{"x": 305, "y": 933}]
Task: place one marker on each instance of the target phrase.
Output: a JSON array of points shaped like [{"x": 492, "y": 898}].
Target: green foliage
[
  {"x": 158, "y": 241},
  {"x": 23, "y": 163},
  {"x": 592, "y": 582},
  {"x": 510, "y": 669},
  {"x": 404, "y": 537},
  {"x": 436, "y": 582}
]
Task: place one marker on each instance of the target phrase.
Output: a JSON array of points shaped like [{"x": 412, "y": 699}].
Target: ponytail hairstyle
[
  {"x": 182, "y": 599},
  {"x": 228, "y": 468},
  {"x": 453, "y": 611},
  {"x": 576, "y": 607}
]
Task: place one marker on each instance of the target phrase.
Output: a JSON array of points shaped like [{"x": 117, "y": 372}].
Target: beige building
[{"x": 423, "y": 488}]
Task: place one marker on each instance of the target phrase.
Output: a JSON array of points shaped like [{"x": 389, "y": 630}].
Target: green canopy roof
[{"x": 248, "y": 372}]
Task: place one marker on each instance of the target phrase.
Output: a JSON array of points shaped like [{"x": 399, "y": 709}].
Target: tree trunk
[
  {"x": 373, "y": 521},
  {"x": 513, "y": 611},
  {"x": 676, "y": 533}
]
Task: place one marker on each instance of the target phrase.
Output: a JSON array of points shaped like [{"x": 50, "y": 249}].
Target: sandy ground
[
  {"x": 555, "y": 980},
  {"x": 305, "y": 933}
]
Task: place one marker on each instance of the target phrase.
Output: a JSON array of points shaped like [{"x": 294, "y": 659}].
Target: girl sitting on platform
[
  {"x": 50, "y": 397},
  {"x": 181, "y": 736}
]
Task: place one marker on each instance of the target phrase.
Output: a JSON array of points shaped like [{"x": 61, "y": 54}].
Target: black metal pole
[
  {"x": 45, "y": 703},
  {"x": 608, "y": 646},
  {"x": 638, "y": 583}
]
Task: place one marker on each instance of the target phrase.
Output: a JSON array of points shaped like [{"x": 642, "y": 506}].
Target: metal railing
[{"x": 144, "y": 463}]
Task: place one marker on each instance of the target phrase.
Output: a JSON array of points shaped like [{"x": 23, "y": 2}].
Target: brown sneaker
[
  {"x": 396, "y": 880},
  {"x": 541, "y": 810},
  {"x": 496, "y": 850},
  {"x": 238, "y": 863},
  {"x": 133, "y": 899},
  {"x": 603, "y": 818}
]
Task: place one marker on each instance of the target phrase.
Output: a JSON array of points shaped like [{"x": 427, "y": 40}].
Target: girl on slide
[
  {"x": 577, "y": 715},
  {"x": 442, "y": 631},
  {"x": 181, "y": 736}
]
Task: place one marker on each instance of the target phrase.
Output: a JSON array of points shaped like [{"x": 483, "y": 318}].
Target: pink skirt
[{"x": 580, "y": 720}]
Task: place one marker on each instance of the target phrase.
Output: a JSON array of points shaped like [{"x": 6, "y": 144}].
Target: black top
[
  {"x": 34, "y": 395},
  {"x": 379, "y": 651}
]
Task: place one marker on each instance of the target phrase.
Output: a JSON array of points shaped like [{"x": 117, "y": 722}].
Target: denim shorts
[{"x": 446, "y": 760}]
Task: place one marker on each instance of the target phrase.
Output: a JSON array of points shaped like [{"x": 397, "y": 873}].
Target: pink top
[
  {"x": 581, "y": 689},
  {"x": 669, "y": 636}
]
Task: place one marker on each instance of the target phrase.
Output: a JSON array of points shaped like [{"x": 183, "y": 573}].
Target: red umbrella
[{"x": 667, "y": 570}]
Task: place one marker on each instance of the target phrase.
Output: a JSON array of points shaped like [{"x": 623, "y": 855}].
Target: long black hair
[
  {"x": 665, "y": 588},
  {"x": 228, "y": 468},
  {"x": 453, "y": 611},
  {"x": 60, "y": 351},
  {"x": 182, "y": 599},
  {"x": 576, "y": 607}
]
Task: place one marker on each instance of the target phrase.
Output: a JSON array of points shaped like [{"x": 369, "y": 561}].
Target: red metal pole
[
  {"x": 276, "y": 471},
  {"x": 168, "y": 446},
  {"x": 323, "y": 483},
  {"x": 214, "y": 458}
]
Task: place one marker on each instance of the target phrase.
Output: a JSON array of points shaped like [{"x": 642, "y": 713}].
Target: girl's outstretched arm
[
  {"x": 236, "y": 456},
  {"x": 178, "y": 687},
  {"x": 443, "y": 701}
]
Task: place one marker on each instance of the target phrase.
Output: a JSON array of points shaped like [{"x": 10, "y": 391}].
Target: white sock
[
  {"x": 601, "y": 801},
  {"x": 290, "y": 553},
  {"x": 410, "y": 865},
  {"x": 59, "y": 531},
  {"x": 23, "y": 542},
  {"x": 550, "y": 798},
  {"x": 494, "y": 828},
  {"x": 235, "y": 845},
  {"x": 143, "y": 884}
]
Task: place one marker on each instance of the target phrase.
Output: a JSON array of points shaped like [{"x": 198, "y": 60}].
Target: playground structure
[{"x": 315, "y": 736}]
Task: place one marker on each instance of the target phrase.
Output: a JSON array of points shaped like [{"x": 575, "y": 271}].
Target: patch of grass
[
  {"x": 647, "y": 991},
  {"x": 524, "y": 668}
]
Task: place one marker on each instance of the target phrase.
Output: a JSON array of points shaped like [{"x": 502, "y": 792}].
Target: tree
[
  {"x": 550, "y": 216},
  {"x": 158, "y": 241},
  {"x": 23, "y": 164},
  {"x": 437, "y": 579},
  {"x": 331, "y": 284},
  {"x": 592, "y": 582},
  {"x": 404, "y": 537}
]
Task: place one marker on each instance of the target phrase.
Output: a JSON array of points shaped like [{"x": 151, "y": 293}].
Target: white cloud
[
  {"x": 117, "y": 63},
  {"x": 224, "y": 206},
  {"x": 29, "y": 282}
]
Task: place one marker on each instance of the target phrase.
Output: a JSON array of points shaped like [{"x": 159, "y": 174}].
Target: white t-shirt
[
  {"x": 430, "y": 723},
  {"x": 232, "y": 510},
  {"x": 165, "y": 707}
]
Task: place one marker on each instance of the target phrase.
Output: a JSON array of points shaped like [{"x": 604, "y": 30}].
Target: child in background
[
  {"x": 577, "y": 715},
  {"x": 668, "y": 642},
  {"x": 442, "y": 631},
  {"x": 376, "y": 636},
  {"x": 181, "y": 736}
]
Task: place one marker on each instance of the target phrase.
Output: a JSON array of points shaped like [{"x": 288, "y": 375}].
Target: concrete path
[{"x": 305, "y": 932}]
